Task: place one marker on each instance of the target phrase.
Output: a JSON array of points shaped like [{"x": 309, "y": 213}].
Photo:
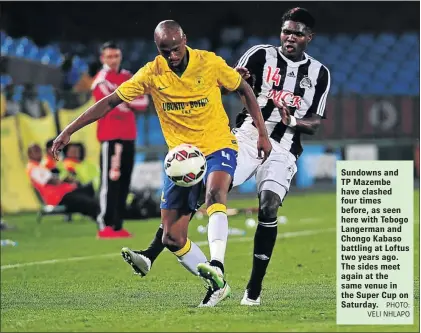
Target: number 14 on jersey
[{"x": 273, "y": 76}]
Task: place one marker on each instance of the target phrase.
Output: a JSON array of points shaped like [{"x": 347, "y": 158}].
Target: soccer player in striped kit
[{"x": 291, "y": 88}]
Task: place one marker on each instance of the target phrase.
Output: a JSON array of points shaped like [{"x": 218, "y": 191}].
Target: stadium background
[{"x": 371, "y": 51}]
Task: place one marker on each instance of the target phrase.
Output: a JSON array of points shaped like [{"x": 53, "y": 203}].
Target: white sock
[
  {"x": 217, "y": 235},
  {"x": 192, "y": 257}
]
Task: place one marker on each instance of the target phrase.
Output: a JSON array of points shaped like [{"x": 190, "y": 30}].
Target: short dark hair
[
  {"x": 301, "y": 15},
  {"x": 76, "y": 144},
  {"x": 109, "y": 45}
]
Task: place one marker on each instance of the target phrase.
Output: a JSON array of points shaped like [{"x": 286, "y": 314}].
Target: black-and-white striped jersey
[{"x": 304, "y": 85}]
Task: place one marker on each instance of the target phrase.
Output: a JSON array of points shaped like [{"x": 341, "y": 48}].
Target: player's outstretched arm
[
  {"x": 264, "y": 147},
  {"x": 95, "y": 112}
]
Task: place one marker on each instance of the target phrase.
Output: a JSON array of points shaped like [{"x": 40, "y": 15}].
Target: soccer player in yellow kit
[{"x": 185, "y": 87}]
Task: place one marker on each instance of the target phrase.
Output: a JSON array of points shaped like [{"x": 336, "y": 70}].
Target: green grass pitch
[{"x": 60, "y": 278}]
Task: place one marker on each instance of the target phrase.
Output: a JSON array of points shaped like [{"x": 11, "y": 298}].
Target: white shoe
[
  {"x": 213, "y": 297},
  {"x": 140, "y": 263},
  {"x": 248, "y": 301},
  {"x": 218, "y": 288}
]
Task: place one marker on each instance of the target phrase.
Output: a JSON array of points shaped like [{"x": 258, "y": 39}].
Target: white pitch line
[{"x": 201, "y": 243}]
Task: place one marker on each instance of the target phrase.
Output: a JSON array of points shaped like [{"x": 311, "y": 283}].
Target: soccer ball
[{"x": 185, "y": 165}]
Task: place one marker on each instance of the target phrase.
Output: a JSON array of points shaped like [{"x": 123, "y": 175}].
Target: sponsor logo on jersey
[
  {"x": 287, "y": 96},
  {"x": 306, "y": 83}
]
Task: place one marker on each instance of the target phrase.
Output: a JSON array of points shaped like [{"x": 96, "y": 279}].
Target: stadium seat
[
  {"x": 5, "y": 80},
  {"x": 33, "y": 53},
  {"x": 46, "y": 93},
  {"x": 375, "y": 88},
  {"x": 386, "y": 39},
  {"x": 24, "y": 45},
  {"x": 350, "y": 60},
  {"x": 410, "y": 39},
  {"x": 355, "y": 87},
  {"x": 321, "y": 41},
  {"x": 50, "y": 56},
  {"x": 79, "y": 64},
  {"x": 400, "y": 88},
  {"x": 17, "y": 93},
  {"x": 45, "y": 210},
  {"x": 40, "y": 54},
  {"x": 364, "y": 39},
  {"x": 3, "y": 35},
  {"x": 382, "y": 75},
  {"x": 379, "y": 49},
  {"x": 366, "y": 67},
  {"x": 342, "y": 40},
  {"x": 339, "y": 77},
  {"x": 335, "y": 89},
  {"x": 8, "y": 47}
]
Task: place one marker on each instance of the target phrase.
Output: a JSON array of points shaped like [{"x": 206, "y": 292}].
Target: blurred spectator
[
  {"x": 83, "y": 171},
  {"x": 31, "y": 105},
  {"x": 117, "y": 133},
  {"x": 49, "y": 161},
  {"x": 66, "y": 68},
  {"x": 56, "y": 167},
  {"x": 54, "y": 192},
  {"x": 85, "y": 82},
  {"x": 13, "y": 105},
  {"x": 72, "y": 157}
]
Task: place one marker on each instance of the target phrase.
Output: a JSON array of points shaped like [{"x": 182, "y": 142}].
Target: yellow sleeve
[
  {"x": 227, "y": 76},
  {"x": 138, "y": 85}
]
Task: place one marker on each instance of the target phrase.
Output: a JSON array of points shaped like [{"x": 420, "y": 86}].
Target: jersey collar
[{"x": 293, "y": 63}]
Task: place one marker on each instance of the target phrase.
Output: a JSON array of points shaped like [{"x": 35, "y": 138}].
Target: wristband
[{"x": 293, "y": 122}]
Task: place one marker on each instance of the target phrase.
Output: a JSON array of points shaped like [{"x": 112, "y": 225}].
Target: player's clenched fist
[
  {"x": 244, "y": 72},
  {"x": 59, "y": 143},
  {"x": 264, "y": 147}
]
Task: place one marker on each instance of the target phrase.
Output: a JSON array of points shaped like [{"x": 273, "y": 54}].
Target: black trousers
[
  {"x": 116, "y": 160},
  {"x": 82, "y": 200}
]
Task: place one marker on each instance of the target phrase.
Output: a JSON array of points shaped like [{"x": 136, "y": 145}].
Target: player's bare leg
[
  {"x": 264, "y": 242},
  {"x": 174, "y": 238},
  {"x": 217, "y": 187},
  {"x": 146, "y": 258}
]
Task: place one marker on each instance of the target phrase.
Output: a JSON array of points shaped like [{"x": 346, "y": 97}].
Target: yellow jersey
[{"x": 189, "y": 106}]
